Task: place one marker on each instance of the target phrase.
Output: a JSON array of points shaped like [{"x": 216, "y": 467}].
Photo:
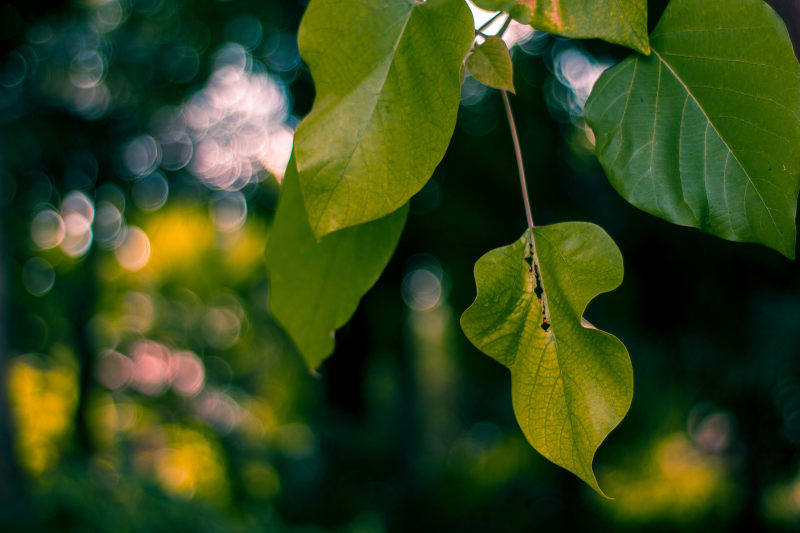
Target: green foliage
[
  {"x": 705, "y": 131},
  {"x": 150, "y": 388},
  {"x": 315, "y": 286},
  {"x": 616, "y": 21},
  {"x": 701, "y": 132},
  {"x": 387, "y": 77},
  {"x": 571, "y": 383},
  {"x": 490, "y": 64}
]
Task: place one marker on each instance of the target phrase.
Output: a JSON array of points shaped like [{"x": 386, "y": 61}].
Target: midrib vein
[{"x": 719, "y": 135}]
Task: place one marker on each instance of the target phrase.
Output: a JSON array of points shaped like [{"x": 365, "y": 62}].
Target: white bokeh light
[
  {"x": 77, "y": 211},
  {"x": 134, "y": 252},
  {"x": 233, "y": 128},
  {"x": 47, "y": 229}
]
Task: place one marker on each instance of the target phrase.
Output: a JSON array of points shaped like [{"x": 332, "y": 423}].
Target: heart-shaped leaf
[
  {"x": 706, "y": 131},
  {"x": 315, "y": 286},
  {"x": 388, "y": 80},
  {"x": 571, "y": 384}
]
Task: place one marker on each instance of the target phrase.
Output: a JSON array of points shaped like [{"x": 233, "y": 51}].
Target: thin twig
[
  {"x": 488, "y": 22},
  {"x": 505, "y": 26}
]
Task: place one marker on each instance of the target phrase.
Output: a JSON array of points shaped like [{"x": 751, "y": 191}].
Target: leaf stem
[
  {"x": 518, "y": 151},
  {"x": 535, "y": 270}
]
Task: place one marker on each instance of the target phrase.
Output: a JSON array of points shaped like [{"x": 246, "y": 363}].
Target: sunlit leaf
[
  {"x": 705, "y": 132},
  {"x": 387, "y": 74},
  {"x": 571, "y": 383},
  {"x": 616, "y": 21},
  {"x": 490, "y": 64},
  {"x": 315, "y": 286}
]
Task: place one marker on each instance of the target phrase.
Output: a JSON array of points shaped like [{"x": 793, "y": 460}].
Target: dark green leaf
[
  {"x": 616, "y": 21},
  {"x": 387, "y": 74},
  {"x": 571, "y": 384},
  {"x": 490, "y": 64},
  {"x": 705, "y": 132},
  {"x": 315, "y": 286}
]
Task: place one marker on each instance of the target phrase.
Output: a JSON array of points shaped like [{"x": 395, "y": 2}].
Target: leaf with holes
[
  {"x": 705, "y": 132},
  {"x": 616, "y": 21},
  {"x": 315, "y": 286},
  {"x": 490, "y": 64},
  {"x": 571, "y": 384},
  {"x": 388, "y": 79}
]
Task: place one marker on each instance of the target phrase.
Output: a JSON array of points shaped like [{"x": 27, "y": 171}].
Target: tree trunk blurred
[
  {"x": 10, "y": 476},
  {"x": 83, "y": 307}
]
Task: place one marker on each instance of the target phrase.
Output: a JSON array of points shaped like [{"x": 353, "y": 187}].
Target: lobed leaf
[
  {"x": 705, "y": 131},
  {"x": 315, "y": 286},
  {"x": 616, "y": 21},
  {"x": 571, "y": 384},
  {"x": 387, "y": 74}
]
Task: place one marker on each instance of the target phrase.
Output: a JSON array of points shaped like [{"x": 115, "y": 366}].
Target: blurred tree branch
[{"x": 10, "y": 475}]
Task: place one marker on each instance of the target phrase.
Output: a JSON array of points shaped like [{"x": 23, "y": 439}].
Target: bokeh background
[{"x": 145, "y": 386}]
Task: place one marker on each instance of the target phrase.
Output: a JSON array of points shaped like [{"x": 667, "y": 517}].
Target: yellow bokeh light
[
  {"x": 179, "y": 238},
  {"x": 246, "y": 249},
  {"x": 677, "y": 482},
  {"x": 43, "y": 402},
  {"x": 191, "y": 465}
]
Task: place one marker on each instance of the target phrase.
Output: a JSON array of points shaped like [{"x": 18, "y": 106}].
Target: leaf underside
[
  {"x": 388, "y": 80},
  {"x": 571, "y": 383},
  {"x": 315, "y": 286},
  {"x": 705, "y": 131},
  {"x": 621, "y": 22},
  {"x": 490, "y": 64}
]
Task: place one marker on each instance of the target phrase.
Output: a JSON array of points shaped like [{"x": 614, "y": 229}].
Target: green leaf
[
  {"x": 490, "y": 64},
  {"x": 387, "y": 74},
  {"x": 571, "y": 384},
  {"x": 616, "y": 21},
  {"x": 705, "y": 132},
  {"x": 315, "y": 286}
]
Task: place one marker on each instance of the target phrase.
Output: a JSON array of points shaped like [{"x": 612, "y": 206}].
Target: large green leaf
[
  {"x": 571, "y": 383},
  {"x": 315, "y": 286},
  {"x": 388, "y": 79},
  {"x": 616, "y": 21},
  {"x": 490, "y": 64},
  {"x": 706, "y": 131}
]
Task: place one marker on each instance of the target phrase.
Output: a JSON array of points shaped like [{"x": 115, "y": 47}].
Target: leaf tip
[
  {"x": 599, "y": 491},
  {"x": 786, "y": 247},
  {"x": 790, "y": 243},
  {"x": 314, "y": 358},
  {"x": 322, "y": 226},
  {"x": 642, "y": 44}
]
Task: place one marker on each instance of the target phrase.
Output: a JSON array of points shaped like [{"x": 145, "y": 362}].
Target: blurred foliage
[{"x": 146, "y": 387}]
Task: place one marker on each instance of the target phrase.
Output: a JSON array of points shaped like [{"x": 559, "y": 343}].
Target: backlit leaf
[
  {"x": 705, "y": 132},
  {"x": 387, "y": 74},
  {"x": 616, "y": 21},
  {"x": 571, "y": 384},
  {"x": 315, "y": 286},
  {"x": 490, "y": 64}
]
